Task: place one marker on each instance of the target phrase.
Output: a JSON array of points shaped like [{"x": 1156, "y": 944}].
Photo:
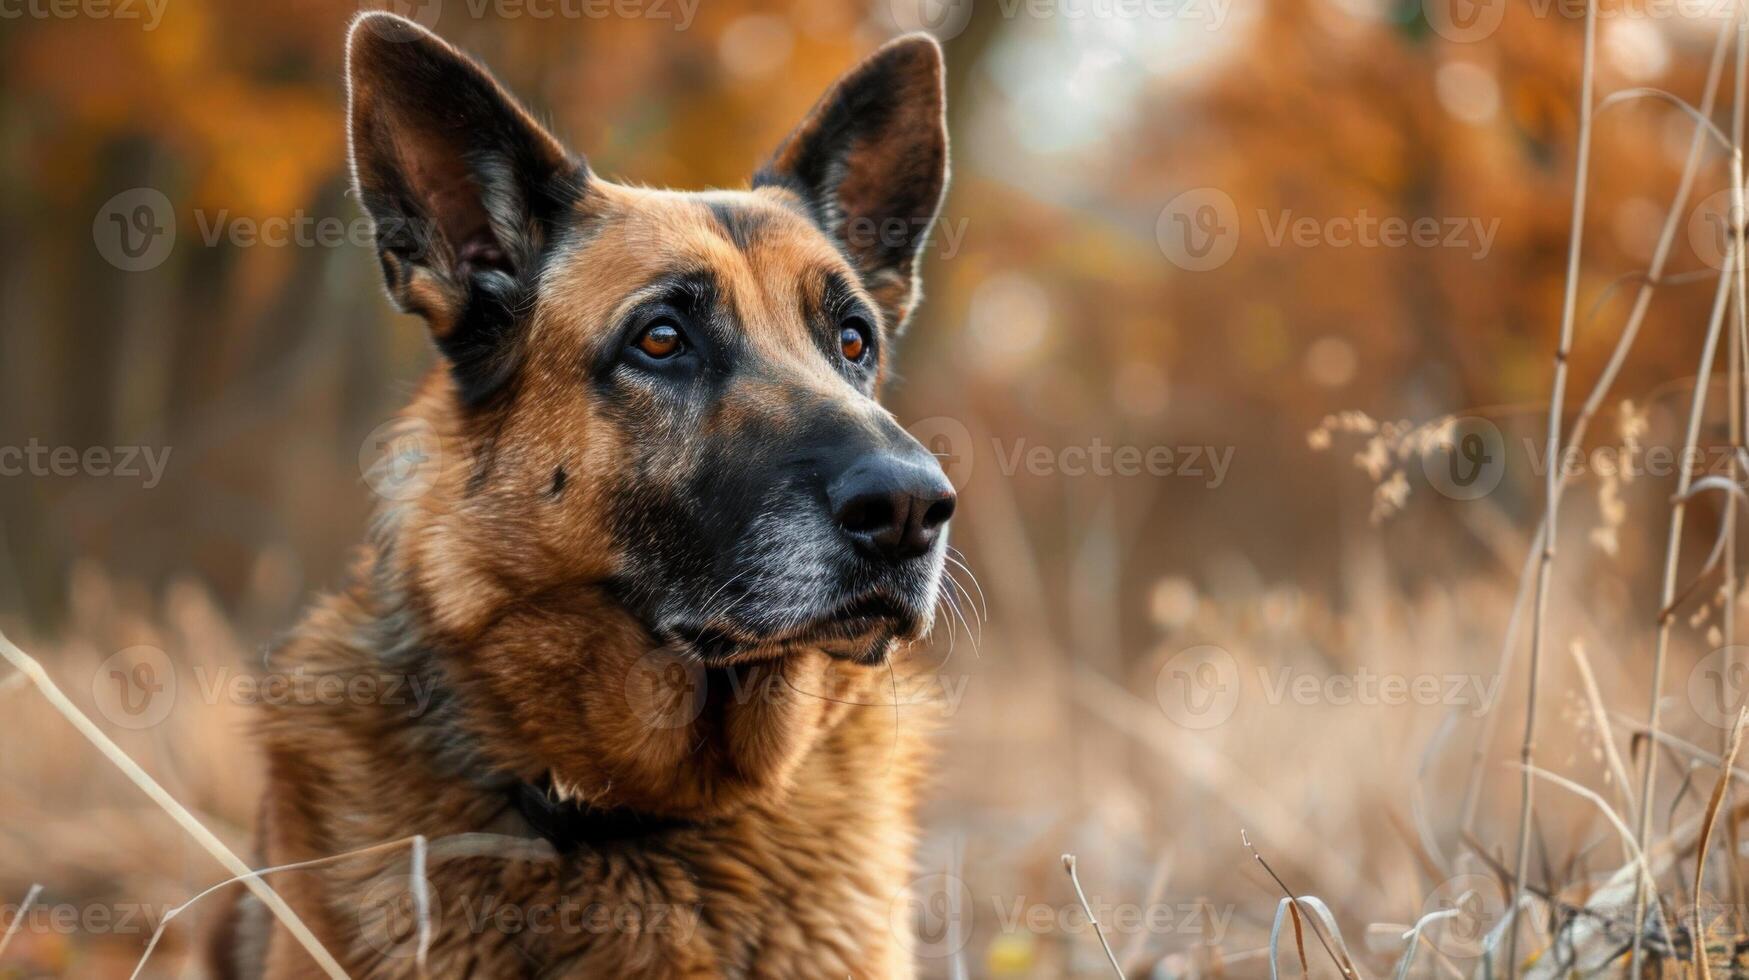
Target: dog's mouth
[{"x": 862, "y": 628}]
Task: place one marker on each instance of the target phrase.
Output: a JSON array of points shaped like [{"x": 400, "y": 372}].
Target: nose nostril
[
  {"x": 867, "y": 514},
  {"x": 938, "y": 513}
]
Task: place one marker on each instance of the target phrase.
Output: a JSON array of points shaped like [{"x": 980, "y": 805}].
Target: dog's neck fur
[{"x": 780, "y": 805}]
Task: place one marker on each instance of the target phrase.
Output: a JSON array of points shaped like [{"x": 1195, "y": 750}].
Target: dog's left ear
[
  {"x": 870, "y": 161},
  {"x": 465, "y": 189}
]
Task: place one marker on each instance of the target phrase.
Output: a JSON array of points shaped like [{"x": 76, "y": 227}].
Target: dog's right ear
[{"x": 464, "y": 187}]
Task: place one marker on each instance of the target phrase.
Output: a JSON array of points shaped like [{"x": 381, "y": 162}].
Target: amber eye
[
  {"x": 853, "y": 340},
  {"x": 660, "y": 340}
]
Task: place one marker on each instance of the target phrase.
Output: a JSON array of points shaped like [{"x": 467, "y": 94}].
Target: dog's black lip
[{"x": 855, "y": 618}]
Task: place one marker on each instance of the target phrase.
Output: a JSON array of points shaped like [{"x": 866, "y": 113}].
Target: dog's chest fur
[{"x": 806, "y": 881}]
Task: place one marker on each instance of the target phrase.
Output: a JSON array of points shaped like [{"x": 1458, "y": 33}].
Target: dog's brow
[
  {"x": 839, "y": 294},
  {"x": 740, "y": 225},
  {"x": 695, "y": 280}
]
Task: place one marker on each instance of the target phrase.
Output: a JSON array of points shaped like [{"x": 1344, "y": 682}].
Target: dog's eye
[
  {"x": 660, "y": 340},
  {"x": 853, "y": 339}
]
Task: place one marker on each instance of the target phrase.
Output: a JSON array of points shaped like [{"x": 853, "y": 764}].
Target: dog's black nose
[{"x": 891, "y": 506}]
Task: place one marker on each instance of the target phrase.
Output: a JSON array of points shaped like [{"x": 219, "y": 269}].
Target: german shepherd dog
[{"x": 658, "y": 450}]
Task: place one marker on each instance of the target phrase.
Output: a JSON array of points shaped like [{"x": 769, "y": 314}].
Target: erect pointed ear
[
  {"x": 870, "y": 161},
  {"x": 465, "y": 189}
]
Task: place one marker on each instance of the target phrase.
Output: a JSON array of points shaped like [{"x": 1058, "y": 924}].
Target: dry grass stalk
[
  {"x": 1672, "y": 557},
  {"x": 1636, "y": 855},
  {"x": 1707, "y": 126},
  {"x": 1098, "y": 930},
  {"x": 1415, "y": 937},
  {"x": 1739, "y": 351},
  {"x": 1698, "y": 945},
  {"x": 23, "y": 909},
  {"x": 1287, "y": 909},
  {"x": 1618, "y": 771},
  {"x": 208, "y": 841},
  {"x": 1680, "y": 746},
  {"x": 421, "y": 904},
  {"x": 1552, "y": 490},
  {"x": 1605, "y": 383},
  {"x": 1339, "y": 955}
]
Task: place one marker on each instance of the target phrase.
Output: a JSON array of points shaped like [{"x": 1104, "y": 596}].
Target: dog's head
[{"x": 667, "y": 398}]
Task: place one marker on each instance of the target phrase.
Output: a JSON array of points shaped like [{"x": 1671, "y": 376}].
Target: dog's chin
[{"x": 864, "y": 630}]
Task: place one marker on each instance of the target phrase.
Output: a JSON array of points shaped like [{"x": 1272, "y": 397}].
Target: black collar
[{"x": 567, "y": 825}]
